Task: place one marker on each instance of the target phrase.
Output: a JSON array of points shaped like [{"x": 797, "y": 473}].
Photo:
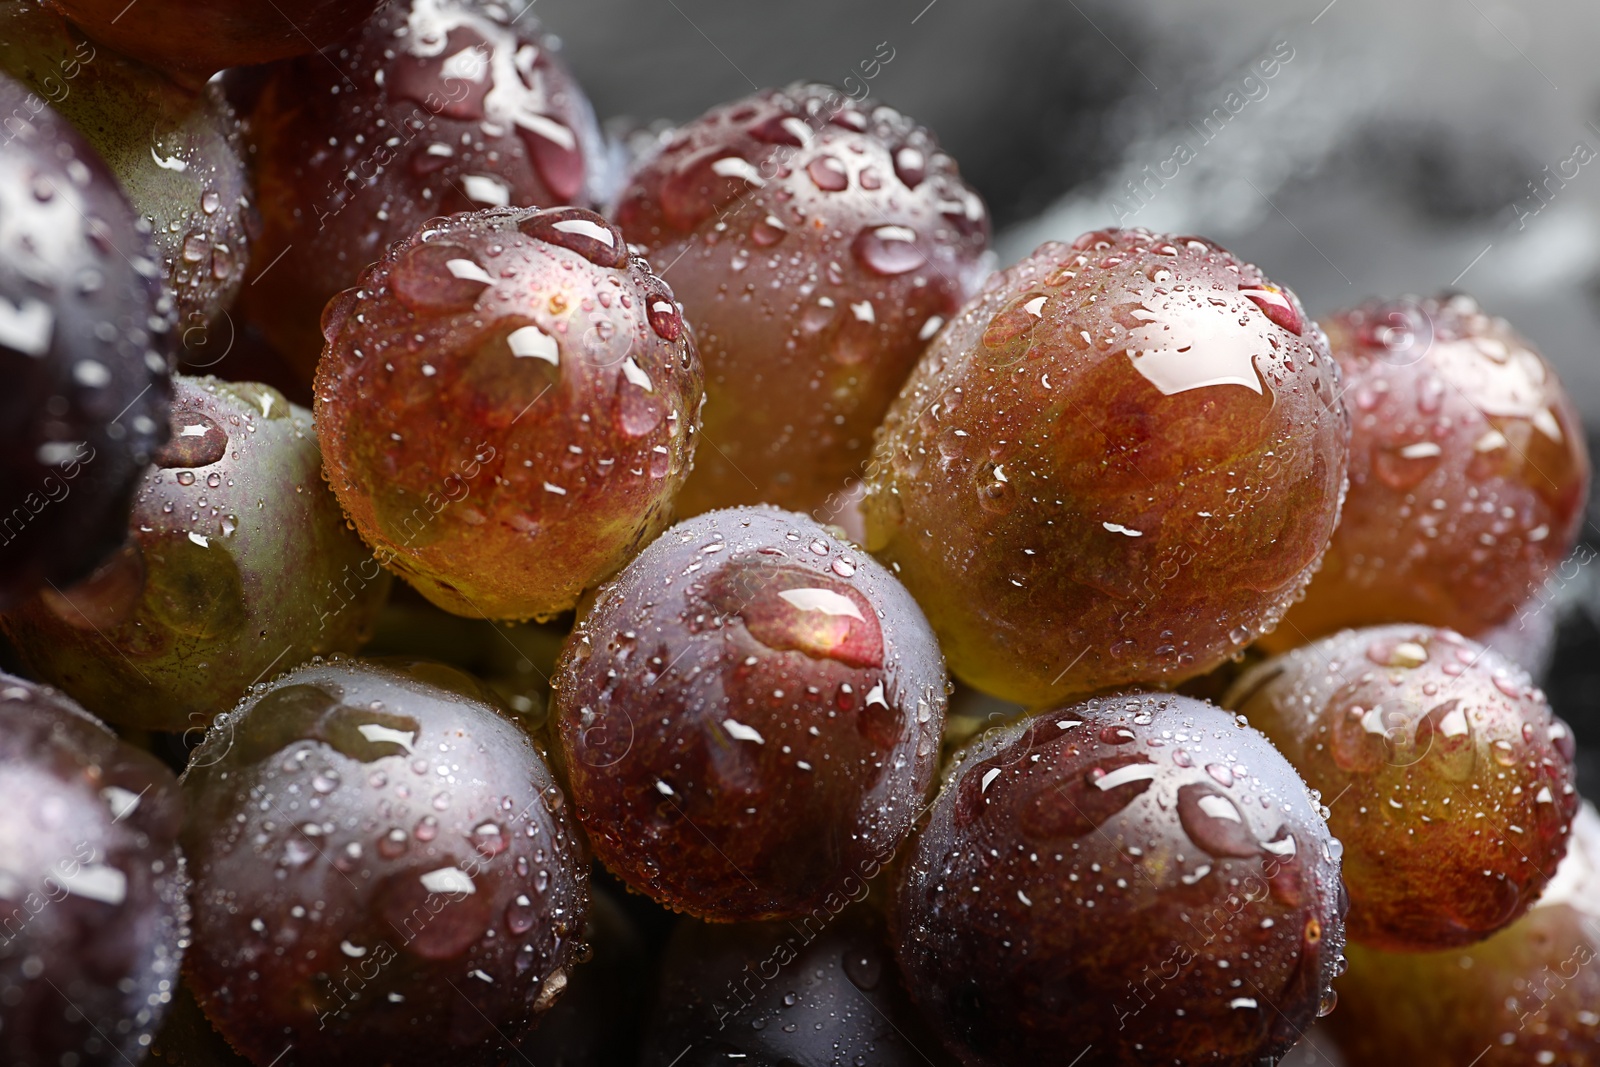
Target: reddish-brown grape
[
  {"x": 1133, "y": 880},
  {"x": 748, "y": 715},
  {"x": 816, "y": 247},
  {"x": 237, "y": 560},
  {"x": 1528, "y": 995},
  {"x": 93, "y": 915},
  {"x": 193, "y": 39},
  {"x": 1469, "y": 472},
  {"x": 507, "y": 406},
  {"x": 1118, "y": 465},
  {"x": 434, "y": 107},
  {"x": 85, "y": 339},
  {"x": 385, "y": 871},
  {"x": 1453, "y": 782}
]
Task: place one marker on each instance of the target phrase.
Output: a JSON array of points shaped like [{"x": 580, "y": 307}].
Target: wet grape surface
[
  {"x": 238, "y": 560},
  {"x": 1469, "y": 472},
  {"x": 433, "y": 107},
  {"x": 817, "y": 246},
  {"x": 749, "y": 716},
  {"x": 1132, "y": 880},
  {"x": 508, "y": 404},
  {"x": 85, "y": 341},
  {"x": 93, "y": 901},
  {"x": 176, "y": 152},
  {"x": 1078, "y": 479},
  {"x": 1454, "y": 780},
  {"x": 1527, "y": 995},
  {"x": 385, "y": 870}
]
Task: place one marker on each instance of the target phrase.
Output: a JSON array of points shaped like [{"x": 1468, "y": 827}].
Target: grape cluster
[{"x": 653, "y": 755}]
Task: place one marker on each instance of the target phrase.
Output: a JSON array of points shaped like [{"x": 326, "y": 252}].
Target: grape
[
  {"x": 507, "y": 406},
  {"x": 384, "y": 869},
  {"x": 434, "y": 107},
  {"x": 1527, "y": 995},
  {"x": 1124, "y": 881},
  {"x": 1453, "y": 782},
  {"x": 1468, "y": 472},
  {"x": 749, "y": 716},
  {"x": 821, "y": 993},
  {"x": 816, "y": 246},
  {"x": 93, "y": 918},
  {"x": 193, "y": 39},
  {"x": 177, "y": 153},
  {"x": 85, "y": 338},
  {"x": 238, "y": 560},
  {"x": 1077, "y": 481}
]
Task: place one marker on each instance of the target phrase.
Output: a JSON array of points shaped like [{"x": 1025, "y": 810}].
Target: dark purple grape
[
  {"x": 385, "y": 871},
  {"x": 816, "y": 246},
  {"x": 433, "y": 107},
  {"x": 84, "y": 347},
  {"x": 749, "y": 714},
  {"x": 1125, "y": 881},
  {"x": 822, "y": 992},
  {"x": 93, "y": 915},
  {"x": 238, "y": 562}
]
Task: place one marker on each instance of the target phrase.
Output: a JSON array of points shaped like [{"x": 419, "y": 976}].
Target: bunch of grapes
[{"x": 697, "y": 500}]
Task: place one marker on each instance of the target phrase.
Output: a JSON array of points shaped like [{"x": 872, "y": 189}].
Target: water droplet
[
  {"x": 889, "y": 250},
  {"x": 196, "y": 441},
  {"x": 1082, "y": 803},
  {"x": 577, "y": 230},
  {"x": 424, "y": 282},
  {"x": 393, "y": 844},
  {"x": 768, "y": 231},
  {"x": 521, "y": 915},
  {"x": 828, "y": 174},
  {"x": 911, "y": 165},
  {"x": 1214, "y": 822},
  {"x": 664, "y": 317},
  {"x": 1277, "y": 306}
]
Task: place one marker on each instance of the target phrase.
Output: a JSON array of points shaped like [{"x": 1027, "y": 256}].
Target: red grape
[
  {"x": 434, "y": 107},
  {"x": 507, "y": 406},
  {"x": 1079, "y": 478},
  {"x": 749, "y": 716},
  {"x": 1454, "y": 782},
  {"x": 816, "y": 246},
  {"x": 1468, "y": 472},
  {"x": 1133, "y": 880}
]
